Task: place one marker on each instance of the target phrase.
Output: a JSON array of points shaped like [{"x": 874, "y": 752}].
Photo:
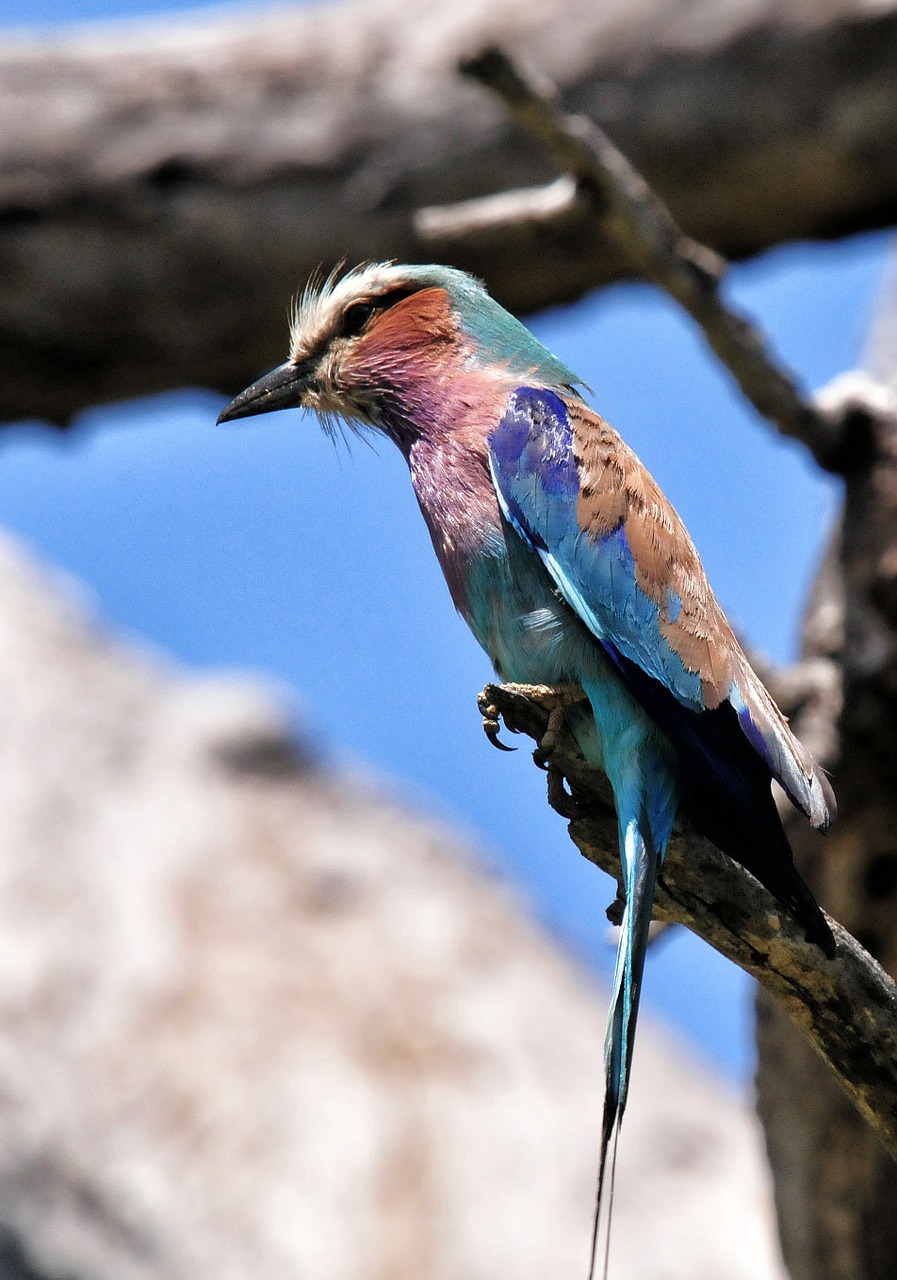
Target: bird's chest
[
  {"x": 506, "y": 596},
  {"x": 518, "y": 617},
  {"x": 497, "y": 582}
]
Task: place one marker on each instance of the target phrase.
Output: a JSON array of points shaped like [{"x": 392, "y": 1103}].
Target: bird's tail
[{"x": 640, "y": 858}]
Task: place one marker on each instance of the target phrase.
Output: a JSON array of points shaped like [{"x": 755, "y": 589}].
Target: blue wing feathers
[
  {"x": 539, "y": 492},
  {"x": 536, "y": 477},
  {"x": 726, "y": 793},
  {"x": 727, "y": 753},
  {"x": 766, "y": 730},
  {"x": 674, "y": 605}
]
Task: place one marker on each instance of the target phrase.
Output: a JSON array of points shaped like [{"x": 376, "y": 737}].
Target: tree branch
[
  {"x": 646, "y": 232},
  {"x": 846, "y": 1007},
  {"x": 165, "y": 189}
]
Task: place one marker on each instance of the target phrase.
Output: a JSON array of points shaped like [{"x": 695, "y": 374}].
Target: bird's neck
[{"x": 448, "y": 460}]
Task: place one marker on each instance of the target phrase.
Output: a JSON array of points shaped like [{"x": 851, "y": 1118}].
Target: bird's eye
[{"x": 355, "y": 318}]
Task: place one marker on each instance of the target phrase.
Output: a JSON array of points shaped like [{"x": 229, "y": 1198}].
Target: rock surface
[{"x": 256, "y": 1022}]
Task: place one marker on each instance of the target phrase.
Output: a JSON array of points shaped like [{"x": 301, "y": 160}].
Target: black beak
[{"x": 282, "y": 388}]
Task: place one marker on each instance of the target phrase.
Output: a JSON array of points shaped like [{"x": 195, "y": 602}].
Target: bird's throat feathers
[
  {"x": 434, "y": 372},
  {"x": 440, "y": 397}
]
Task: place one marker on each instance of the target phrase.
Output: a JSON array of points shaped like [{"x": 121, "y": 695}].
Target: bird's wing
[{"x": 623, "y": 561}]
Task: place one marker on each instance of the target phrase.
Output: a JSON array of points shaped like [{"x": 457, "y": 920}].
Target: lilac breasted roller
[{"x": 571, "y": 568}]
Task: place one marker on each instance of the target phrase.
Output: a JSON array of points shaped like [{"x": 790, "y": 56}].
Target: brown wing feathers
[{"x": 617, "y": 489}]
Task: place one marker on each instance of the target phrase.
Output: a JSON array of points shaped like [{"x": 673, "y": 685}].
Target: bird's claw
[
  {"x": 491, "y": 723},
  {"x": 556, "y": 700},
  {"x": 492, "y": 728}
]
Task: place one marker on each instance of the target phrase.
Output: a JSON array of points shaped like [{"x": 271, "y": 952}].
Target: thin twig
[
  {"x": 846, "y": 1007},
  {"x": 660, "y": 251},
  {"x": 552, "y": 204}
]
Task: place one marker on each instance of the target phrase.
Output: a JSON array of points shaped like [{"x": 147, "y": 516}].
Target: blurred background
[{"x": 274, "y": 1012}]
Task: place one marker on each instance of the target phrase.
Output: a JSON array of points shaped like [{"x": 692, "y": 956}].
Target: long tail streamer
[{"x": 641, "y": 861}]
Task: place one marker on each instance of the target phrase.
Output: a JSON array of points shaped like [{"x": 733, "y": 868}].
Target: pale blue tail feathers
[{"x": 645, "y": 792}]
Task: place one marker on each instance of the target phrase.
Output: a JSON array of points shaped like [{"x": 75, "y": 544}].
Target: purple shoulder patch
[{"x": 534, "y": 439}]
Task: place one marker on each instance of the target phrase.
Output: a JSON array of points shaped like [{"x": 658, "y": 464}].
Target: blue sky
[{"x": 259, "y": 546}]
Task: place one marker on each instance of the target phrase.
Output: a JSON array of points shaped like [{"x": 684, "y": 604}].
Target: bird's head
[{"x": 375, "y": 346}]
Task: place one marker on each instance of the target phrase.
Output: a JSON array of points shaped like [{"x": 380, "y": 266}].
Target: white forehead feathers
[{"x": 316, "y": 312}]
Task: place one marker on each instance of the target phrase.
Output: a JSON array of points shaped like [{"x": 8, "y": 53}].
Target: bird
[{"x": 573, "y": 571}]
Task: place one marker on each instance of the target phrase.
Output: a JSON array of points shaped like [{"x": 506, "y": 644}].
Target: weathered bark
[
  {"x": 836, "y": 1188},
  {"x": 163, "y": 193},
  {"x": 846, "y": 1007}
]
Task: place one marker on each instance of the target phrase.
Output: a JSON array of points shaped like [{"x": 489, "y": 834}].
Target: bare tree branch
[
  {"x": 835, "y": 1179},
  {"x": 547, "y": 209},
  {"x": 836, "y": 1187},
  {"x": 646, "y": 232},
  {"x": 165, "y": 189},
  {"x": 846, "y": 1007}
]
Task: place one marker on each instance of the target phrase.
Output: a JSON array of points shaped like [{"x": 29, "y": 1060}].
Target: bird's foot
[
  {"x": 560, "y": 799},
  {"x": 556, "y": 699}
]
